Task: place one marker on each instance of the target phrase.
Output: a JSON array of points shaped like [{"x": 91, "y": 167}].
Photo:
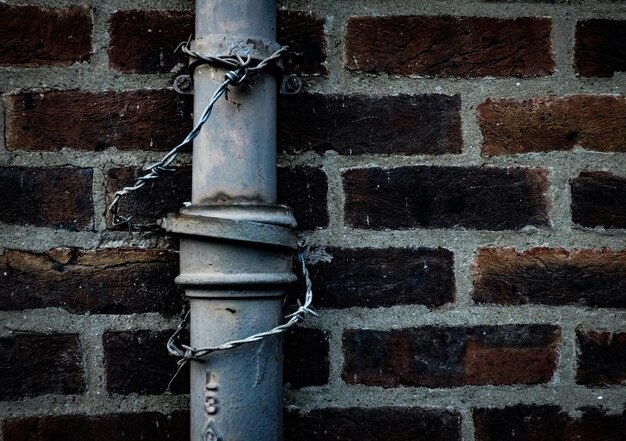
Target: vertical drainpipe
[{"x": 236, "y": 244}]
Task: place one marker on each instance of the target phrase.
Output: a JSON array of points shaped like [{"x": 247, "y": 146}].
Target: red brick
[
  {"x": 110, "y": 427},
  {"x": 593, "y": 122},
  {"x": 306, "y": 357},
  {"x": 138, "y": 362},
  {"x": 532, "y": 423},
  {"x": 450, "y": 46},
  {"x": 377, "y": 278},
  {"x": 358, "y": 124},
  {"x": 550, "y": 276},
  {"x": 373, "y": 424},
  {"x": 56, "y": 197},
  {"x": 34, "y": 364},
  {"x": 599, "y": 200},
  {"x": 154, "y": 200},
  {"x": 145, "y": 41},
  {"x": 105, "y": 281},
  {"x": 35, "y": 36},
  {"x": 451, "y": 356},
  {"x": 303, "y": 32},
  {"x": 601, "y": 358},
  {"x": 304, "y": 189},
  {"x": 484, "y": 198},
  {"x": 600, "y": 48},
  {"x": 140, "y": 119}
]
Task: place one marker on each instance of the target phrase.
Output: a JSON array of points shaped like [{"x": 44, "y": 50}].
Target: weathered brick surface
[
  {"x": 34, "y": 364},
  {"x": 141, "y": 119},
  {"x": 145, "y": 41},
  {"x": 373, "y": 424},
  {"x": 34, "y": 36},
  {"x": 358, "y": 124},
  {"x": 155, "y": 199},
  {"x": 304, "y": 189},
  {"x": 531, "y": 423},
  {"x": 599, "y": 200},
  {"x": 56, "y": 197},
  {"x": 450, "y": 46},
  {"x": 600, "y": 47},
  {"x": 106, "y": 281},
  {"x": 151, "y": 426},
  {"x": 137, "y": 362},
  {"x": 601, "y": 358},
  {"x": 303, "y": 32},
  {"x": 445, "y": 197},
  {"x": 593, "y": 122},
  {"x": 550, "y": 276},
  {"x": 382, "y": 277},
  {"x": 306, "y": 357},
  {"x": 451, "y": 356}
]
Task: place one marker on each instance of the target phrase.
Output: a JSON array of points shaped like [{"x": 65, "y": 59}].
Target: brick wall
[{"x": 458, "y": 167}]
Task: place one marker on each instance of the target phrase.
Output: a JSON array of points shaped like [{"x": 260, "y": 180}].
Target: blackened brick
[
  {"x": 599, "y": 200},
  {"x": 593, "y": 122},
  {"x": 111, "y": 427},
  {"x": 155, "y": 199},
  {"x": 601, "y": 358},
  {"x": 450, "y": 46},
  {"x": 357, "y": 124},
  {"x": 54, "y": 197},
  {"x": 600, "y": 48},
  {"x": 482, "y": 198},
  {"x": 34, "y": 36},
  {"x": 145, "y": 41},
  {"x": 303, "y": 32},
  {"x": 140, "y": 119},
  {"x": 373, "y": 424},
  {"x": 376, "y": 278},
  {"x": 450, "y": 357},
  {"x": 305, "y": 190},
  {"x": 550, "y": 276},
  {"x": 34, "y": 364},
  {"x": 306, "y": 358},
  {"x": 105, "y": 281},
  {"x": 137, "y": 362}
]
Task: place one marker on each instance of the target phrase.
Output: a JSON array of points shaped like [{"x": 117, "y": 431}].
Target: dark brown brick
[
  {"x": 154, "y": 200},
  {"x": 357, "y": 124},
  {"x": 377, "y": 278},
  {"x": 56, "y": 197},
  {"x": 145, "y": 41},
  {"x": 111, "y": 427},
  {"x": 34, "y": 36},
  {"x": 450, "y": 357},
  {"x": 593, "y": 122},
  {"x": 138, "y": 362},
  {"x": 304, "y": 189},
  {"x": 141, "y": 119},
  {"x": 373, "y": 424},
  {"x": 450, "y": 46},
  {"x": 532, "y": 423},
  {"x": 484, "y": 198},
  {"x": 601, "y": 358},
  {"x": 303, "y": 32},
  {"x": 105, "y": 281},
  {"x": 599, "y": 200},
  {"x": 550, "y": 276},
  {"x": 600, "y": 48},
  {"x": 34, "y": 364},
  {"x": 306, "y": 358}
]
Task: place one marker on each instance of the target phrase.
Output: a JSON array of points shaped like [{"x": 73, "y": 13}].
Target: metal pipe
[{"x": 236, "y": 244}]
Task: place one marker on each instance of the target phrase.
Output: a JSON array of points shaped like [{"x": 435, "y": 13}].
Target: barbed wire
[
  {"x": 186, "y": 352},
  {"x": 242, "y": 71}
]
